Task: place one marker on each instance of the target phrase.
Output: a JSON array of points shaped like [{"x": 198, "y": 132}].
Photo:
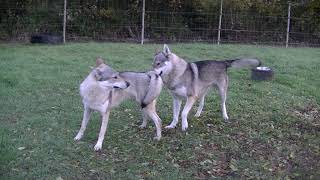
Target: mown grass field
[{"x": 274, "y": 129}]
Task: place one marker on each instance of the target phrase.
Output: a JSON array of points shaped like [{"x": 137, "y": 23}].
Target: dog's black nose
[{"x": 128, "y": 84}]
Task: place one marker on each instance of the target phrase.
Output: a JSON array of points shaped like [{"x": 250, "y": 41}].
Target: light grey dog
[
  {"x": 191, "y": 81},
  {"x": 105, "y": 88}
]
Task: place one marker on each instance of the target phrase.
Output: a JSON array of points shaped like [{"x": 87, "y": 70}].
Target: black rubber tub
[
  {"x": 262, "y": 74},
  {"x": 46, "y": 38}
]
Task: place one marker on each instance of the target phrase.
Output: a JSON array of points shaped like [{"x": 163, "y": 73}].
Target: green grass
[{"x": 274, "y": 131}]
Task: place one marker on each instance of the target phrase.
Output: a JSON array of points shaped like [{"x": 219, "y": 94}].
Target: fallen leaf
[
  {"x": 21, "y": 148},
  {"x": 233, "y": 167}
]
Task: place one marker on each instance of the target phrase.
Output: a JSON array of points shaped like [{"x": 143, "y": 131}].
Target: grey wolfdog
[
  {"x": 105, "y": 88},
  {"x": 191, "y": 81}
]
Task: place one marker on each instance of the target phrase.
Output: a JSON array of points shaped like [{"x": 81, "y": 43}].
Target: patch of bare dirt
[{"x": 310, "y": 112}]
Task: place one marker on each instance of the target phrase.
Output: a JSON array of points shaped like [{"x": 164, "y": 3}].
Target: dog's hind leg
[
  {"x": 223, "y": 87},
  {"x": 176, "y": 111},
  {"x": 104, "y": 124},
  {"x": 201, "y": 104},
  {"x": 151, "y": 111},
  {"x": 86, "y": 116},
  {"x": 184, "y": 115},
  {"x": 144, "y": 120}
]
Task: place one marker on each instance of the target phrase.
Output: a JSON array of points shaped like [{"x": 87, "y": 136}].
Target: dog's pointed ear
[
  {"x": 166, "y": 50},
  {"x": 97, "y": 73},
  {"x": 157, "y": 51},
  {"x": 99, "y": 61}
]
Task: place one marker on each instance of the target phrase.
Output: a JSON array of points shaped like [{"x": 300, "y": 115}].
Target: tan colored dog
[{"x": 105, "y": 88}]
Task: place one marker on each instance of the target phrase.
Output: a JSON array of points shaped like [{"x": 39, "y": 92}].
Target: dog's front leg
[
  {"x": 85, "y": 120},
  {"x": 185, "y": 112},
  {"x": 176, "y": 111},
  {"x": 104, "y": 124}
]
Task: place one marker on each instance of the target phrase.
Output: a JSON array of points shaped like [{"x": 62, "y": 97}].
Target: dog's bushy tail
[
  {"x": 154, "y": 89},
  {"x": 244, "y": 63}
]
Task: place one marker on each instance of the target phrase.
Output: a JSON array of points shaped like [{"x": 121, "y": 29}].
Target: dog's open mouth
[
  {"x": 116, "y": 87},
  {"x": 160, "y": 73}
]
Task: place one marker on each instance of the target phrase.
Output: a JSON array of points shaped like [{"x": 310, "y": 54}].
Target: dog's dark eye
[
  {"x": 115, "y": 77},
  {"x": 158, "y": 64}
]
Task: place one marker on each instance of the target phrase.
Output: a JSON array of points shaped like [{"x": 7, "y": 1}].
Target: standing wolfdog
[
  {"x": 191, "y": 81},
  {"x": 105, "y": 88}
]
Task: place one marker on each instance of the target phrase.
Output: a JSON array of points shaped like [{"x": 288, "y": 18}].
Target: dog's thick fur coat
[
  {"x": 192, "y": 81},
  {"x": 105, "y": 88}
]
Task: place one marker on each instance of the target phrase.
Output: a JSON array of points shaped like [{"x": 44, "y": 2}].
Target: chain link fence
[{"x": 189, "y": 21}]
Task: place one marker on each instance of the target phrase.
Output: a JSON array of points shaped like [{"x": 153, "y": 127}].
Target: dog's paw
[
  {"x": 98, "y": 147},
  {"x": 226, "y": 119},
  {"x": 184, "y": 126},
  {"x": 170, "y": 127},
  {"x": 157, "y": 138},
  {"x": 78, "y": 137},
  {"x": 142, "y": 126},
  {"x": 197, "y": 114}
]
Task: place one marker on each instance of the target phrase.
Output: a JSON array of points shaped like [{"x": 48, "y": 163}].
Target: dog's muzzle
[{"x": 127, "y": 85}]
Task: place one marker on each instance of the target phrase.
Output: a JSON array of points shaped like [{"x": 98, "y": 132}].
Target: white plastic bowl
[{"x": 263, "y": 68}]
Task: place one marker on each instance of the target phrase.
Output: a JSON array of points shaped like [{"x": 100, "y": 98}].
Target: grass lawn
[{"x": 274, "y": 131}]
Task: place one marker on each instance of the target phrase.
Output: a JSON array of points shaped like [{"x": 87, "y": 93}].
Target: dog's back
[
  {"x": 144, "y": 87},
  {"x": 210, "y": 70}
]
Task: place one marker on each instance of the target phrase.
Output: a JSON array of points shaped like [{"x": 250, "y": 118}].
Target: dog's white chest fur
[{"x": 93, "y": 95}]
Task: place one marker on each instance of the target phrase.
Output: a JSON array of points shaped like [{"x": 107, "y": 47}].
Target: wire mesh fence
[
  {"x": 105, "y": 21},
  {"x": 164, "y": 21},
  {"x": 18, "y": 22}
]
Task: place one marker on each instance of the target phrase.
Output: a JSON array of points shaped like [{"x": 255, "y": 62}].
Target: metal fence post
[
  {"x": 220, "y": 18},
  {"x": 64, "y": 20},
  {"x": 288, "y": 24},
  {"x": 142, "y": 26}
]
